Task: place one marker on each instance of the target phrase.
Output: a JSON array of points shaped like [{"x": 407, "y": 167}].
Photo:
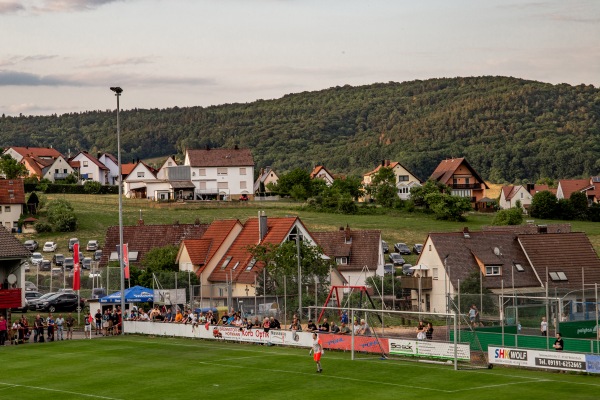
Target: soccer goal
[{"x": 406, "y": 335}]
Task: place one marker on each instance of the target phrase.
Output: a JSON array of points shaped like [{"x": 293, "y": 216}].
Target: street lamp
[{"x": 118, "y": 92}]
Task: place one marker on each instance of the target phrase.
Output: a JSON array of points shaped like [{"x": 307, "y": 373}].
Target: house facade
[
  {"x": 90, "y": 168},
  {"x": 320, "y": 172},
  {"x": 112, "y": 163},
  {"x": 509, "y": 195},
  {"x": 221, "y": 174},
  {"x": 135, "y": 185},
  {"x": 266, "y": 176},
  {"x": 58, "y": 170},
  {"x": 405, "y": 180},
  {"x": 12, "y": 203},
  {"x": 591, "y": 188},
  {"x": 12, "y": 273},
  {"x": 464, "y": 181}
]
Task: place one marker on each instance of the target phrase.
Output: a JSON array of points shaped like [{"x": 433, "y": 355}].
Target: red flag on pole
[
  {"x": 76, "y": 268},
  {"x": 126, "y": 260}
]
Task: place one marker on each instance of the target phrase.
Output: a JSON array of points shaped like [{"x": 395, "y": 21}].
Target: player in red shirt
[{"x": 317, "y": 351}]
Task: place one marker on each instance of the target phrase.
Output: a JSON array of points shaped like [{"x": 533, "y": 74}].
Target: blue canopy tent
[{"x": 136, "y": 294}]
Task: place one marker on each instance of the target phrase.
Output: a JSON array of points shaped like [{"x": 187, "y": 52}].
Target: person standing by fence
[{"x": 544, "y": 327}]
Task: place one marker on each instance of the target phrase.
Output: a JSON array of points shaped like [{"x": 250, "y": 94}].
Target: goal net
[{"x": 406, "y": 335}]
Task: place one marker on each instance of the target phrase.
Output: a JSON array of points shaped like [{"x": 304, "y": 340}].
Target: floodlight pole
[
  {"x": 299, "y": 275},
  {"x": 118, "y": 92}
]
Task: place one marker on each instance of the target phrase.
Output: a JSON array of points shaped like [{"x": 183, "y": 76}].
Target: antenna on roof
[{"x": 497, "y": 251}]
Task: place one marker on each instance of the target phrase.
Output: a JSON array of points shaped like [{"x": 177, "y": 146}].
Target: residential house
[
  {"x": 221, "y": 173},
  {"x": 509, "y": 195},
  {"x": 320, "y": 172},
  {"x": 507, "y": 261},
  {"x": 357, "y": 253},
  {"x": 405, "y": 179},
  {"x": 591, "y": 188},
  {"x": 266, "y": 176},
  {"x": 90, "y": 168},
  {"x": 135, "y": 184},
  {"x": 58, "y": 170},
  {"x": 37, "y": 160},
  {"x": 112, "y": 163},
  {"x": 176, "y": 184},
  {"x": 12, "y": 203},
  {"x": 13, "y": 256},
  {"x": 169, "y": 162},
  {"x": 142, "y": 238},
  {"x": 463, "y": 180}
]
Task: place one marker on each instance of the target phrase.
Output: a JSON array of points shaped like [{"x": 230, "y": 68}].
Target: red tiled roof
[
  {"x": 143, "y": 238},
  {"x": 571, "y": 253},
  {"x": 198, "y": 250},
  {"x": 318, "y": 169},
  {"x": 220, "y": 158},
  {"x": 362, "y": 249},
  {"x": 541, "y": 188},
  {"x": 12, "y": 191},
  {"x": 391, "y": 165},
  {"x": 127, "y": 168},
  {"x": 509, "y": 191},
  {"x": 34, "y": 166},
  {"x": 74, "y": 164},
  {"x": 37, "y": 151},
  {"x": 445, "y": 170},
  {"x": 569, "y": 186},
  {"x": 10, "y": 247},
  {"x": 277, "y": 231},
  {"x": 92, "y": 159}
]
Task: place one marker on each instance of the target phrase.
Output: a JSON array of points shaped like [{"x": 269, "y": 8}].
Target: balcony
[
  {"x": 411, "y": 282},
  {"x": 59, "y": 176},
  {"x": 466, "y": 186},
  {"x": 10, "y": 298}
]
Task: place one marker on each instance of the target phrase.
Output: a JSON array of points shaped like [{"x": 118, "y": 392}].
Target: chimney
[
  {"x": 530, "y": 187},
  {"x": 387, "y": 163},
  {"x": 98, "y": 155},
  {"x": 383, "y": 163},
  {"x": 347, "y": 235},
  {"x": 236, "y": 147},
  {"x": 466, "y": 232},
  {"x": 197, "y": 222},
  {"x": 207, "y": 147},
  {"x": 542, "y": 228},
  {"x": 262, "y": 226},
  {"x": 141, "y": 220}
]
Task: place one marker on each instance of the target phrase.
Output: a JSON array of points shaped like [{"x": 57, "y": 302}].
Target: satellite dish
[
  {"x": 12, "y": 279},
  {"x": 497, "y": 251}
]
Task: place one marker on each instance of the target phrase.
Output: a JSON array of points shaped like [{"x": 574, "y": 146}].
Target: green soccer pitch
[{"x": 135, "y": 367}]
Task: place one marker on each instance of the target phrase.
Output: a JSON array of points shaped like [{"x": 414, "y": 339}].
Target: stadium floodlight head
[{"x": 117, "y": 90}]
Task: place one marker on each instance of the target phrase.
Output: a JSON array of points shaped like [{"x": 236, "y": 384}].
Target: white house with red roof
[
  {"x": 36, "y": 159},
  {"x": 58, "y": 170},
  {"x": 222, "y": 174},
  {"x": 12, "y": 202},
  {"x": 591, "y": 188},
  {"x": 135, "y": 185},
  {"x": 320, "y": 172},
  {"x": 111, "y": 162},
  {"x": 90, "y": 168},
  {"x": 510, "y": 194},
  {"x": 405, "y": 180}
]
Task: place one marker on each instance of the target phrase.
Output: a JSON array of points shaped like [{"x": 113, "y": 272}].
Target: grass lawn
[{"x": 134, "y": 367}]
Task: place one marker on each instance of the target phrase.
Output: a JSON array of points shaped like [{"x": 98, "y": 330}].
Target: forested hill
[{"x": 509, "y": 129}]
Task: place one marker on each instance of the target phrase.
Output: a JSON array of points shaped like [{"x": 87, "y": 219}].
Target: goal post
[{"x": 393, "y": 334}]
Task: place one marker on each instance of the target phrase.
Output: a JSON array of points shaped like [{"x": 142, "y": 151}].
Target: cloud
[
  {"x": 14, "y": 78},
  {"x": 10, "y": 7},
  {"x": 111, "y": 62},
  {"x": 14, "y": 60}
]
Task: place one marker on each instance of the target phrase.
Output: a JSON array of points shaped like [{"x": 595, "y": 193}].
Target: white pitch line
[
  {"x": 58, "y": 391},
  {"x": 497, "y": 385},
  {"x": 345, "y": 378}
]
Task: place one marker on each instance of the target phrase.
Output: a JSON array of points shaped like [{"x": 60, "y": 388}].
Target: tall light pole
[
  {"x": 118, "y": 92},
  {"x": 299, "y": 274}
]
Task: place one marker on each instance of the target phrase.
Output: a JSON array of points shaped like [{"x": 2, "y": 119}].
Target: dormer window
[
  {"x": 226, "y": 262},
  {"x": 519, "y": 267},
  {"x": 251, "y": 264},
  {"x": 493, "y": 270},
  {"x": 558, "y": 276},
  {"x": 341, "y": 260},
  {"x": 348, "y": 240}
]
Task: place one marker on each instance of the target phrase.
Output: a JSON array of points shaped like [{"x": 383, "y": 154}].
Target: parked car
[
  {"x": 50, "y": 246},
  {"x": 98, "y": 293},
  {"x": 36, "y": 258},
  {"x": 56, "y": 271},
  {"x": 72, "y": 242},
  {"x": 396, "y": 259},
  {"x": 97, "y": 255},
  {"x": 86, "y": 263},
  {"x": 58, "y": 259},
  {"x": 406, "y": 269},
  {"x": 30, "y": 287},
  {"x": 402, "y": 248},
  {"x": 386, "y": 247},
  {"x": 26, "y": 266},
  {"x": 32, "y": 295},
  {"x": 68, "y": 264},
  {"x": 45, "y": 265},
  {"x": 32, "y": 304},
  {"x": 244, "y": 197},
  {"x": 61, "y": 302},
  {"x": 418, "y": 248},
  {"x": 92, "y": 245},
  {"x": 389, "y": 268},
  {"x": 31, "y": 245}
]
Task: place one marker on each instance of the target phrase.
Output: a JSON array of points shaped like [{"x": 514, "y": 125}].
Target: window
[
  {"x": 243, "y": 185},
  {"x": 7, "y": 208},
  {"x": 519, "y": 267},
  {"x": 434, "y": 273},
  {"x": 235, "y": 266},
  {"x": 221, "y": 171},
  {"x": 202, "y": 172},
  {"x": 56, "y": 171},
  {"x": 169, "y": 164},
  {"x": 492, "y": 270},
  {"x": 461, "y": 192},
  {"x": 226, "y": 262},
  {"x": 85, "y": 163},
  {"x": 402, "y": 178},
  {"x": 251, "y": 264},
  {"x": 558, "y": 276},
  {"x": 454, "y": 181},
  {"x": 90, "y": 176},
  {"x": 341, "y": 260},
  {"x": 65, "y": 171},
  {"x": 222, "y": 185},
  {"x": 467, "y": 180},
  {"x": 242, "y": 171},
  {"x": 140, "y": 174},
  {"x": 202, "y": 185}
]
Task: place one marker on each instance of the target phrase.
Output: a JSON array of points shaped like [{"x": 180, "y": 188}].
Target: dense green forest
[{"x": 509, "y": 129}]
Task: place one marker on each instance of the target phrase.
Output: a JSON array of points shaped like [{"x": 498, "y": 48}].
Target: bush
[
  {"x": 511, "y": 216},
  {"x": 42, "y": 227},
  {"x": 61, "y": 216},
  {"x": 92, "y": 187}
]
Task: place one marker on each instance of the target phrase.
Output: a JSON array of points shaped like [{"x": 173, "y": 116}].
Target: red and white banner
[
  {"x": 125, "y": 253},
  {"x": 76, "y": 268}
]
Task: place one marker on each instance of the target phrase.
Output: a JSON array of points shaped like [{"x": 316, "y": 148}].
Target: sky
[{"x": 61, "y": 56}]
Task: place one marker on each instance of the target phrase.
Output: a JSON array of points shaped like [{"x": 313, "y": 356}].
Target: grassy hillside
[{"x": 509, "y": 129}]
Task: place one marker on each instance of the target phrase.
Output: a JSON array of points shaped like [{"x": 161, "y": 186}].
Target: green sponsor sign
[{"x": 578, "y": 329}]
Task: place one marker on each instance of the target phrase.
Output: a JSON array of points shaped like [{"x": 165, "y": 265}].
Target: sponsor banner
[
  {"x": 578, "y": 329},
  {"x": 592, "y": 363},
  {"x": 538, "y": 359},
  {"x": 427, "y": 348},
  {"x": 361, "y": 343}
]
